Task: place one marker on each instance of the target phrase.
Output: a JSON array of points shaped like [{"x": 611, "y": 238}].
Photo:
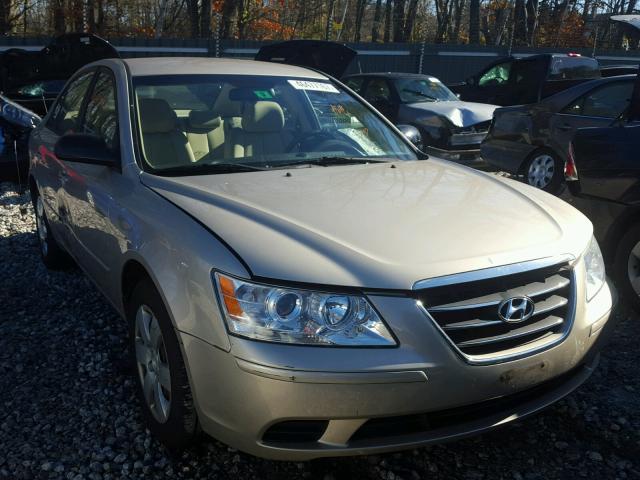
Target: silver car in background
[{"x": 299, "y": 281}]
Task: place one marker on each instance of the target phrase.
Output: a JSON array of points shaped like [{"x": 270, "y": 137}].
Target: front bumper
[
  {"x": 470, "y": 156},
  {"x": 344, "y": 401}
]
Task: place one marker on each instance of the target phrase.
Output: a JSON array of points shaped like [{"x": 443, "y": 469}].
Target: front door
[
  {"x": 93, "y": 208},
  {"x": 597, "y": 108},
  {"x": 377, "y": 92}
]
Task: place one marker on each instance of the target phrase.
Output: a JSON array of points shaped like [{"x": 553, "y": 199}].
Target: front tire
[
  {"x": 544, "y": 170},
  {"x": 627, "y": 267},
  {"x": 161, "y": 376}
]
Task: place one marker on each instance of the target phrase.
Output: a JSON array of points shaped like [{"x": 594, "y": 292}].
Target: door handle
[{"x": 565, "y": 127}]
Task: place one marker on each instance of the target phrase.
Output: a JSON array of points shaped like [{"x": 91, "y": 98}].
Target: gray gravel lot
[{"x": 69, "y": 411}]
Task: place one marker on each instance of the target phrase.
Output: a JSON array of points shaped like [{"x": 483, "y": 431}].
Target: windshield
[
  {"x": 38, "y": 89},
  {"x": 427, "y": 89},
  {"x": 190, "y": 124}
]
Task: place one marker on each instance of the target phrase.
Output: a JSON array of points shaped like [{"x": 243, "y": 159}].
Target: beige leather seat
[
  {"x": 260, "y": 132},
  {"x": 229, "y": 110},
  {"x": 163, "y": 143},
  {"x": 205, "y": 133}
]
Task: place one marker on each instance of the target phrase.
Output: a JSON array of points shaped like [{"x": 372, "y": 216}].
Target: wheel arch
[
  {"x": 538, "y": 149},
  {"x": 133, "y": 272},
  {"x": 33, "y": 187},
  {"x": 619, "y": 228}
]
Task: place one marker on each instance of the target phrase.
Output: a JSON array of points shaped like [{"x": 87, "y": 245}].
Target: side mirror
[
  {"x": 84, "y": 148},
  {"x": 470, "y": 81},
  {"x": 412, "y": 134}
]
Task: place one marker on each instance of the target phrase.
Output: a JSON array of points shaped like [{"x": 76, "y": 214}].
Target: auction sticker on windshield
[{"x": 316, "y": 86}]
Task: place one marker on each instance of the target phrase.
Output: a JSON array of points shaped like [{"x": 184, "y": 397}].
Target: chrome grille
[{"x": 467, "y": 313}]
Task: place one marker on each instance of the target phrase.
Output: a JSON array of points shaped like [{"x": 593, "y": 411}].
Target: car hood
[
  {"x": 378, "y": 225},
  {"x": 459, "y": 113}
]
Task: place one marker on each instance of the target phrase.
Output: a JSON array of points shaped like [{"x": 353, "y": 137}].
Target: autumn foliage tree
[{"x": 552, "y": 23}]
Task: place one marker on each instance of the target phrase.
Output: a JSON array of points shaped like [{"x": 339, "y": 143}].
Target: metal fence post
[{"x": 216, "y": 35}]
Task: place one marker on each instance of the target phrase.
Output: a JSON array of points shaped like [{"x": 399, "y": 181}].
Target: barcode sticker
[{"x": 316, "y": 86}]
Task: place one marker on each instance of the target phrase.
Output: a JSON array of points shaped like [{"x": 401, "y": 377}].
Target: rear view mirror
[
  {"x": 412, "y": 134},
  {"x": 84, "y": 148}
]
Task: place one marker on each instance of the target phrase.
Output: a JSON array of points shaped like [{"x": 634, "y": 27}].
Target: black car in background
[
  {"x": 30, "y": 82},
  {"x": 533, "y": 140},
  {"x": 603, "y": 175},
  {"x": 516, "y": 80},
  {"x": 453, "y": 127}
]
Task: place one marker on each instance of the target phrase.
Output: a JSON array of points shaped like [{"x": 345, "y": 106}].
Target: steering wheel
[{"x": 323, "y": 141}]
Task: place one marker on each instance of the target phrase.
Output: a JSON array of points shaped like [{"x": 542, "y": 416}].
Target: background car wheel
[
  {"x": 627, "y": 267},
  {"x": 543, "y": 170},
  {"x": 53, "y": 256},
  {"x": 161, "y": 376}
]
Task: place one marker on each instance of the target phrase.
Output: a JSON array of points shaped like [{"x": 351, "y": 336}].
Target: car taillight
[{"x": 570, "y": 170}]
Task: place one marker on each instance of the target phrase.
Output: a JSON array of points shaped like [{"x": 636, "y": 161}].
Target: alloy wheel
[
  {"x": 633, "y": 268},
  {"x": 153, "y": 364},
  {"x": 541, "y": 171},
  {"x": 41, "y": 225}
]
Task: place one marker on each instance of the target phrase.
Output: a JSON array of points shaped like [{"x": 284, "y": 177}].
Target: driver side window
[
  {"x": 377, "y": 91},
  {"x": 66, "y": 113},
  {"x": 496, "y": 75},
  {"x": 608, "y": 101}
]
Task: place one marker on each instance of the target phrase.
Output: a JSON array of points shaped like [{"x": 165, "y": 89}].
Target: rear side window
[
  {"x": 496, "y": 75},
  {"x": 377, "y": 91},
  {"x": 608, "y": 101},
  {"x": 354, "y": 83},
  {"x": 573, "y": 68},
  {"x": 66, "y": 113},
  {"x": 101, "y": 117}
]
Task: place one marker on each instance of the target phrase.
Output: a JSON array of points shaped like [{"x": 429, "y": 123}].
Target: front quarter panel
[{"x": 179, "y": 255}]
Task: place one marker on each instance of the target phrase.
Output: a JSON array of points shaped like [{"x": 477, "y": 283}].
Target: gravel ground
[{"x": 69, "y": 411}]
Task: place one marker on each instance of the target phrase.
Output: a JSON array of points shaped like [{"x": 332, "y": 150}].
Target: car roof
[
  {"x": 149, "y": 66},
  {"x": 388, "y": 75},
  {"x": 571, "y": 93}
]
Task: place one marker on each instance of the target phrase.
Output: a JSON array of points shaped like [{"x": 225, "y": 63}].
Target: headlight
[
  {"x": 594, "y": 266},
  {"x": 287, "y": 315}
]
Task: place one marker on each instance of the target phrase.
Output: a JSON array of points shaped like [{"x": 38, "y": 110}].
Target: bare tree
[
  {"x": 474, "y": 22},
  {"x": 387, "y": 21},
  {"x": 377, "y": 18},
  {"x": 205, "y": 18}
]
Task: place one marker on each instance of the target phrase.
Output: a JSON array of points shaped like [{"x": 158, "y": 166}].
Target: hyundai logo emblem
[{"x": 516, "y": 309}]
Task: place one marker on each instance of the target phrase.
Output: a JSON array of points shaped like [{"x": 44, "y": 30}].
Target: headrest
[
  {"x": 262, "y": 117},
  {"x": 204, "y": 119},
  {"x": 156, "y": 116}
]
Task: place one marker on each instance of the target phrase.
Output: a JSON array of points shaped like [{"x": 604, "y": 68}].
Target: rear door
[
  {"x": 52, "y": 174},
  {"x": 597, "y": 108},
  {"x": 607, "y": 158},
  {"x": 607, "y": 162}
]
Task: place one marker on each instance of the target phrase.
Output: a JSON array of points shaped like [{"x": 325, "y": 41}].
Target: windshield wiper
[
  {"x": 329, "y": 161},
  {"x": 416, "y": 92},
  {"x": 207, "y": 168}
]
